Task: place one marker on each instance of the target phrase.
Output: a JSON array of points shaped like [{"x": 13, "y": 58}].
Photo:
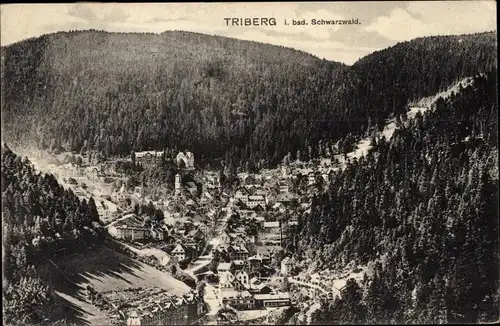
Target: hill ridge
[{"x": 217, "y": 96}]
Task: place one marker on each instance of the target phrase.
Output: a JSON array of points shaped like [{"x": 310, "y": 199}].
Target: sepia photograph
[{"x": 249, "y": 163}]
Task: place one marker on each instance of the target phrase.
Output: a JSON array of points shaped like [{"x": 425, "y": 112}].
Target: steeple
[{"x": 177, "y": 183}]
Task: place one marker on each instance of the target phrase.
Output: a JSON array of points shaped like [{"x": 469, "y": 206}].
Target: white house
[
  {"x": 179, "y": 252},
  {"x": 223, "y": 268},
  {"x": 148, "y": 157},
  {"x": 203, "y": 226},
  {"x": 256, "y": 200},
  {"x": 279, "y": 207},
  {"x": 286, "y": 266},
  {"x": 311, "y": 179},
  {"x": 284, "y": 187},
  {"x": 238, "y": 241},
  {"x": 243, "y": 277},
  {"x": 293, "y": 221},
  {"x": 245, "y": 213},
  {"x": 272, "y": 227}
]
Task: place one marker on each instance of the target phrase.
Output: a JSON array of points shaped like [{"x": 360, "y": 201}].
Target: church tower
[{"x": 177, "y": 184}]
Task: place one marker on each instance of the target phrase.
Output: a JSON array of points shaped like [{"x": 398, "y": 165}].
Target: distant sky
[{"x": 383, "y": 24}]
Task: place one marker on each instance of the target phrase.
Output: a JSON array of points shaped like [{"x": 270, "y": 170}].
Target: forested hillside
[
  {"x": 118, "y": 92},
  {"x": 425, "y": 206},
  {"x": 218, "y": 97},
  {"x": 40, "y": 220},
  {"x": 382, "y": 83}
]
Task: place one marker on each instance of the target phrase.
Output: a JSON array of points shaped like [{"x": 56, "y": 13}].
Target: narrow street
[
  {"x": 210, "y": 295},
  {"x": 204, "y": 260}
]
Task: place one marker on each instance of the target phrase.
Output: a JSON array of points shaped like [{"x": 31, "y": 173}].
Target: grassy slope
[{"x": 105, "y": 270}]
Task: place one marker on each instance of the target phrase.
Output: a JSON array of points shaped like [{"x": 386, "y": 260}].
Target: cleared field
[
  {"x": 162, "y": 256},
  {"x": 105, "y": 270}
]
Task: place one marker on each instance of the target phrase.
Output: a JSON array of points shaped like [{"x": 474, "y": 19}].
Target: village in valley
[
  {"x": 230, "y": 238},
  {"x": 215, "y": 245}
]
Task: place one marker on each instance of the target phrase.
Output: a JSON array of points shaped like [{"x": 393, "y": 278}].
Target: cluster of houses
[
  {"x": 187, "y": 236},
  {"x": 312, "y": 173},
  {"x": 149, "y": 158},
  {"x": 189, "y": 196},
  {"x": 165, "y": 309},
  {"x": 243, "y": 273},
  {"x": 190, "y": 214},
  {"x": 106, "y": 209},
  {"x": 242, "y": 287},
  {"x": 264, "y": 199},
  {"x": 188, "y": 221}
]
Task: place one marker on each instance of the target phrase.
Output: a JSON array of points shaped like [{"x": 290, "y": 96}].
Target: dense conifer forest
[
  {"x": 40, "y": 220},
  {"x": 424, "y": 206},
  {"x": 221, "y": 98}
]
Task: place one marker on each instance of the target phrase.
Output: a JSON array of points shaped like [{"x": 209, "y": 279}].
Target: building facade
[
  {"x": 187, "y": 158},
  {"x": 256, "y": 200},
  {"x": 286, "y": 266},
  {"x": 129, "y": 233},
  {"x": 179, "y": 252},
  {"x": 272, "y": 300},
  {"x": 149, "y": 157},
  {"x": 182, "y": 311}
]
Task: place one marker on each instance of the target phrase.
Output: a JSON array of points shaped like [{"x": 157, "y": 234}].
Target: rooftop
[
  {"x": 224, "y": 266},
  {"x": 256, "y": 197},
  {"x": 178, "y": 248},
  {"x": 276, "y": 296},
  {"x": 242, "y": 190},
  {"x": 285, "y": 197},
  {"x": 233, "y": 294},
  {"x": 191, "y": 185},
  {"x": 130, "y": 220},
  {"x": 148, "y": 153},
  {"x": 275, "y": 224},
  {"x": 239, "y": 249},
  {"x": 149, "y": 302},
  {"x": 256, "y": 284},
  {"x": 255, "y": 257}
]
